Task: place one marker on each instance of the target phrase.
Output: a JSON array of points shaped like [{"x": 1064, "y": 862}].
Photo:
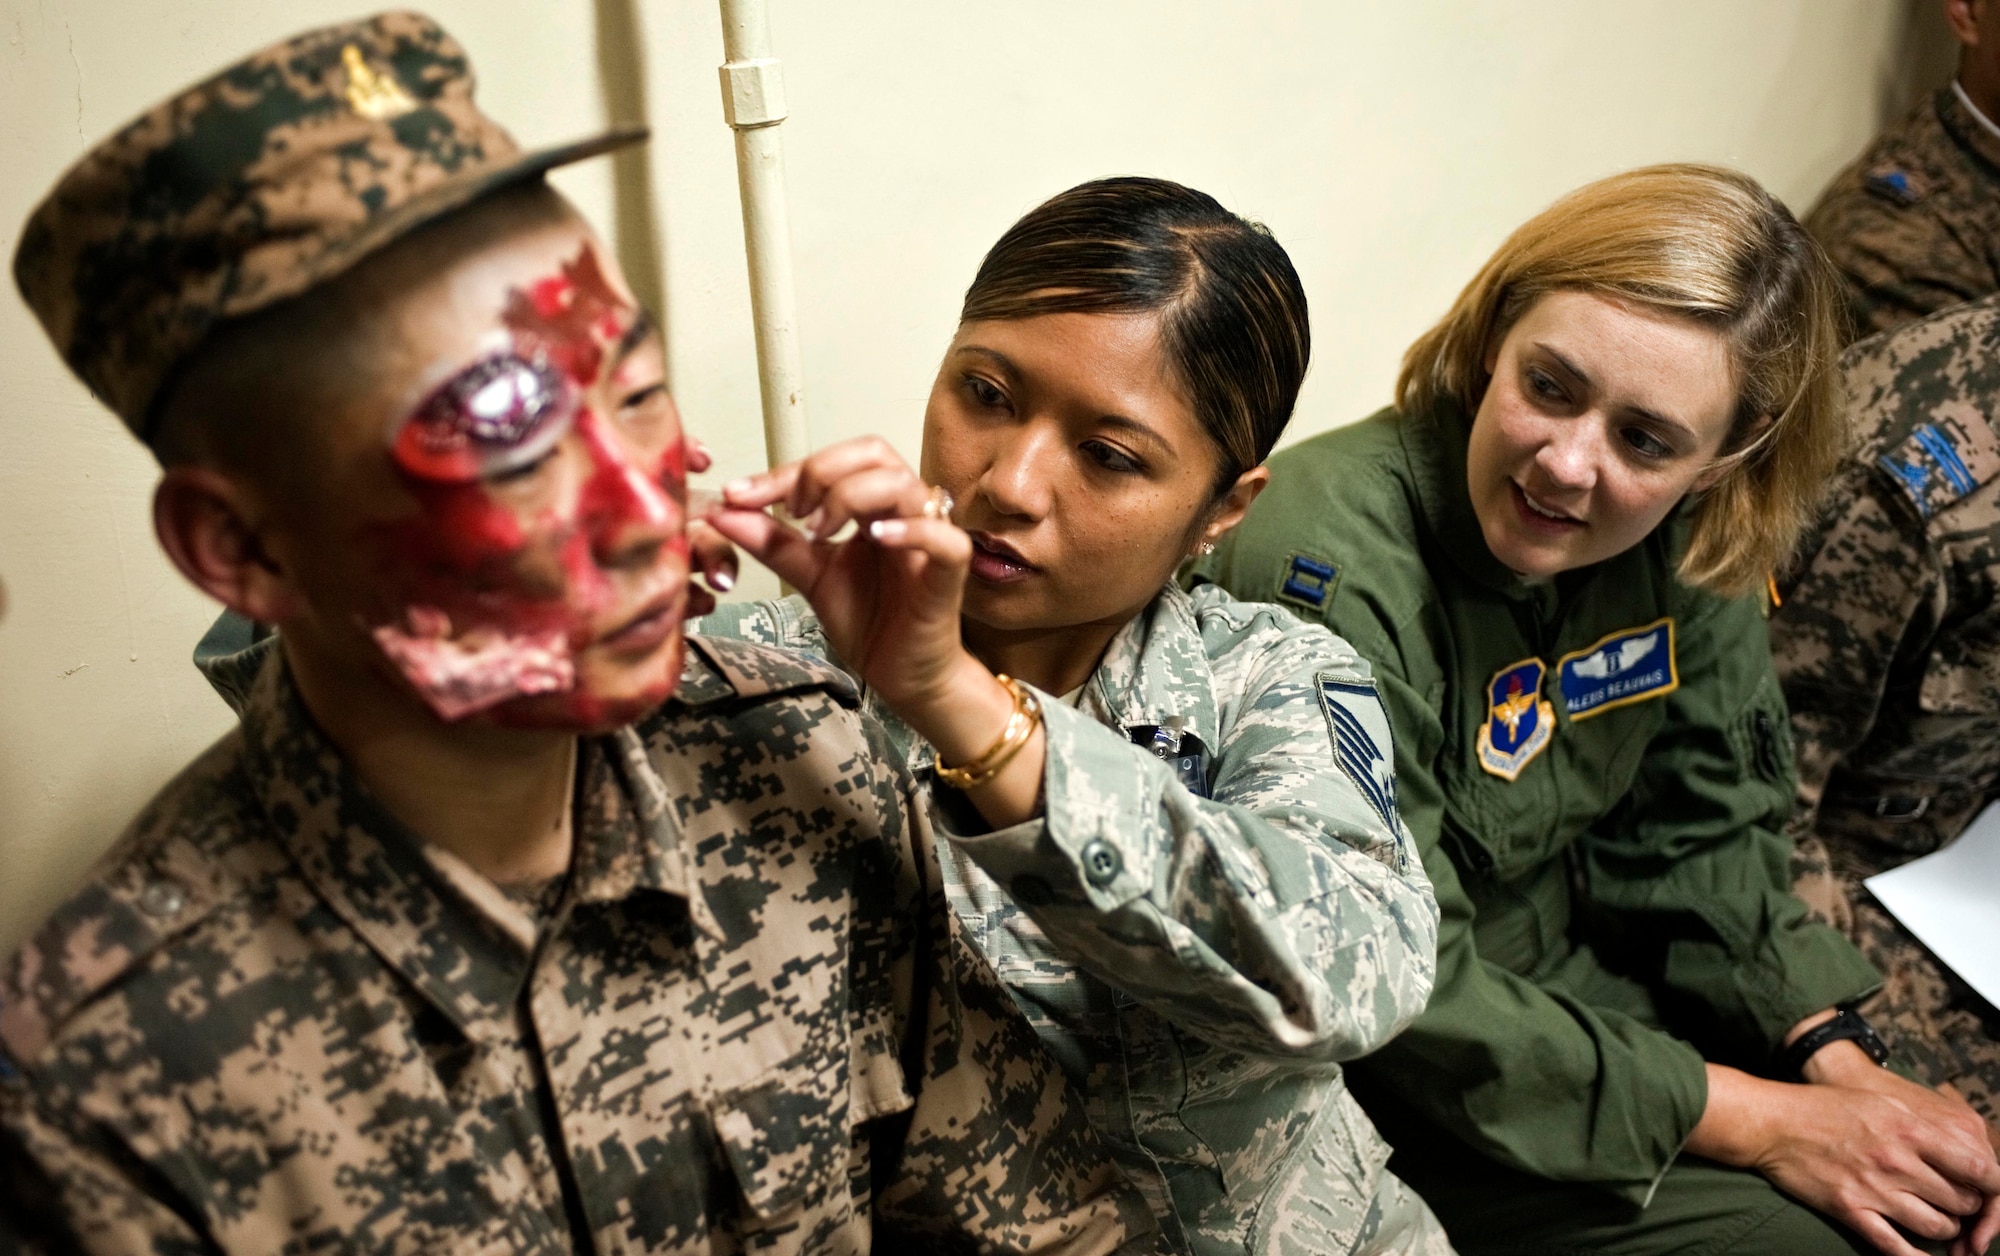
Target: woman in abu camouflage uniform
[{"x": 1184, "y": 858}]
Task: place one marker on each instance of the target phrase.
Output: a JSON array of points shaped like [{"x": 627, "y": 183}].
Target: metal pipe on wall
[{"x": 753, "y": 102}]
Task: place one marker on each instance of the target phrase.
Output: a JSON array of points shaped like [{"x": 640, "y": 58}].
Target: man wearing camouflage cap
[
  {"x": 510, "y": 919},
  {"x": 1914, "y": 223},
  {"x": 1886, "y": 646}
]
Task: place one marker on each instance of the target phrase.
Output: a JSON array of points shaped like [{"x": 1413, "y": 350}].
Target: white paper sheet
[{"x": 1951, "y": 901}]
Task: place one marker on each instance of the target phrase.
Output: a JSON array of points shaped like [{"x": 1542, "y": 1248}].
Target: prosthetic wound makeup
[{"x": 544, "y": 576}]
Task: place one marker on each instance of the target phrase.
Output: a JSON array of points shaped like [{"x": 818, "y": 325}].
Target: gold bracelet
[{"x": 1021, "y": 724}]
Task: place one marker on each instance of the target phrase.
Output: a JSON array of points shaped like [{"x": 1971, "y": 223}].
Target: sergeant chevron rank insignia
[
  {"x": 1625, "y": 667},
  {"x": 1361, "y": 740},
  {"x": 1519, "y": 721}
]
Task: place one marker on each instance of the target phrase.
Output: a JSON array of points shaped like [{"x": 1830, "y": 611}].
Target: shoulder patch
[
  {"x": 1519, "y": 720},
  {"x": 1943, "y": 461},
  {"x": 1619, "y": 669},
  {"x": 718, "y": 668},
  {"x": 1896, "y": 182},
  {"x": 1361, "y": 740},
  {"x": 1308, "y": 581}
]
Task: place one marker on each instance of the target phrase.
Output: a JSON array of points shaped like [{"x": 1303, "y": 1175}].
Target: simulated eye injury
[{"x": 551, "y": 481}]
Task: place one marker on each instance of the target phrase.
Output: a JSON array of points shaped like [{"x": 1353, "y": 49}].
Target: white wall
[{"x": 1389, "y": 145}]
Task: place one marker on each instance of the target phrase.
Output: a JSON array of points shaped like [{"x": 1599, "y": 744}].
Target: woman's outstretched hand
[
  {"x": 888, "y": 598},
  {"x": 1863, "y": 1146}
]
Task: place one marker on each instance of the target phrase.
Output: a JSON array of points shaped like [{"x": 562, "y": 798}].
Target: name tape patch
[
  {"x": 1623, "y": 668},
  {"x": 1309, "y": 581},
  {"x": 1519, "y": 721}
]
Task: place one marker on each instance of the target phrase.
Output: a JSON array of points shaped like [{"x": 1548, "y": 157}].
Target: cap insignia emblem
[{"x": 371, "y": 93}]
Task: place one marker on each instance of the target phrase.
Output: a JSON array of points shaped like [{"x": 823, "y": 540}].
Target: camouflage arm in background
[
  {"x": 1287, "y": 916},
  {"x": 1899, "y": 263},
  {"x": 1864, "y": 598}
]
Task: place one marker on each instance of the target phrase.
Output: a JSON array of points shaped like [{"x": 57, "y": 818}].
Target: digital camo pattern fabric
[
  {"x": 274, "y": 1021},
  {"x": 271, "y": 176},
  {"x": 1200, "y": 965},
  {"x": 1888, "y": 645},
  {"x": 1914, "y": 223}
]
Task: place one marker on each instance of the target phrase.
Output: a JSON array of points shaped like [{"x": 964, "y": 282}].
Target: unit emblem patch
[
  {"x": 1625, "y": 667},
  {"x": 1309, "y": 581},
  {"x": 1940, "y": 462},
  {"x": 1519, "y": 721},
  {"x": 1361, "y": 741}
]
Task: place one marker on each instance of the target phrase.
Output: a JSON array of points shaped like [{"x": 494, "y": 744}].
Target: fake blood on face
[{"x": 498, "y": 606}]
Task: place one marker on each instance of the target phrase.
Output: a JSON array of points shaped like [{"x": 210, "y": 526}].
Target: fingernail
[
  {"x": 888, "y": 529},
  {"x": 810, "y": 525},
  {"x": 723, "y": 581},
  {"x": 736, "y": 488}
]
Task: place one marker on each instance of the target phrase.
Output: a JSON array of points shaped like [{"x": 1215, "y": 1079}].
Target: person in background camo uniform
[
  {"x": 476, "y": 935},
  {"x": 1914, "y": 223},
  {"x": 1888, "y": 647}
]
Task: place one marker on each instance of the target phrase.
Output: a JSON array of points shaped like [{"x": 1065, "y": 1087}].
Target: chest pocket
[
  {"x": 788, "y": 1135},
  {"x": 1509, "y": 828}
]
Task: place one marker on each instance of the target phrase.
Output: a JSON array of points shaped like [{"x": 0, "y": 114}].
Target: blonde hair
[{"x": 1711, "y": 245}]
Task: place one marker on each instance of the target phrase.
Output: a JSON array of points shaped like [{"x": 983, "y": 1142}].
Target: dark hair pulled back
[{"x": 1232, "y": 310}]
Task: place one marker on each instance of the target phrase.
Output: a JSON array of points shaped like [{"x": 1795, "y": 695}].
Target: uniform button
[
  {"x": 1032, "y": 891},
  {"x": 1101, "y": 863},
  {"x": 163, "y": 899}
]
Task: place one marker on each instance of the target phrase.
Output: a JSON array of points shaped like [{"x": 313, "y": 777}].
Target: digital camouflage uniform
[
  {"x": 1914, "y": 223},
  {"x": 1596, "y": 772},
  {"x": 1200, "y": 965},
  {"x": 274, "y": 1020},
  {"x": 1888, "y": 643}
]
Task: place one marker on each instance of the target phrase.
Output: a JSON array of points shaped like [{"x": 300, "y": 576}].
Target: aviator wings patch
[{"x": 1625, "y": 667}]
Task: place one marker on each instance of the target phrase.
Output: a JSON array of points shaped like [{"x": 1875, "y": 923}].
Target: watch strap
[{"x": 1846, "y": 1025}]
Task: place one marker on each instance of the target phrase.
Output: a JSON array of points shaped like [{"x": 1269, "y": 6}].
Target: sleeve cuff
[{"x": 1095, "y": 845}]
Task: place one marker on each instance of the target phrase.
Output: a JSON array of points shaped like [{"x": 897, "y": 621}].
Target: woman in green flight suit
[{"x": 1552, "y": 549}]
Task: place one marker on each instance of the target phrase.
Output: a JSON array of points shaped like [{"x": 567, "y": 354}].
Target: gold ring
[{"x": 938, "y": 503}]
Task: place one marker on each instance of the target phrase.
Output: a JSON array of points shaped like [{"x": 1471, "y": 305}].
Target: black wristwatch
[{"x": 1847, "y": 1025}]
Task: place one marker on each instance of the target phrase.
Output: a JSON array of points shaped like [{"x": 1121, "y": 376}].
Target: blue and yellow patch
[
  {"x": 1309, "y": 581},
  {"x": 1938, "y": 463},
  {"x": 1615, "y": 671},
  {"x": 1519, "y": 721},
  {"x": 1361, "y": 741}
]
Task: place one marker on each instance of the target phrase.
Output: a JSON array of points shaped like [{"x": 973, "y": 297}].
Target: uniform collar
[
  {"x": 1156, "y": 670},
  {"x": 450, "y": 933},
  {"x": 1435, "y": 441},
  {"x": 1972, "y": 132}
]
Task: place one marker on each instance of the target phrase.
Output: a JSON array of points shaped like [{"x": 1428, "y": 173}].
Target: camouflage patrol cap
[{"x": 275, "y": 175}]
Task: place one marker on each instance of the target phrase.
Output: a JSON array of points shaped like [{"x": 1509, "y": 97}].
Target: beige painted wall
[{"x": 1389, "y": 145}]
